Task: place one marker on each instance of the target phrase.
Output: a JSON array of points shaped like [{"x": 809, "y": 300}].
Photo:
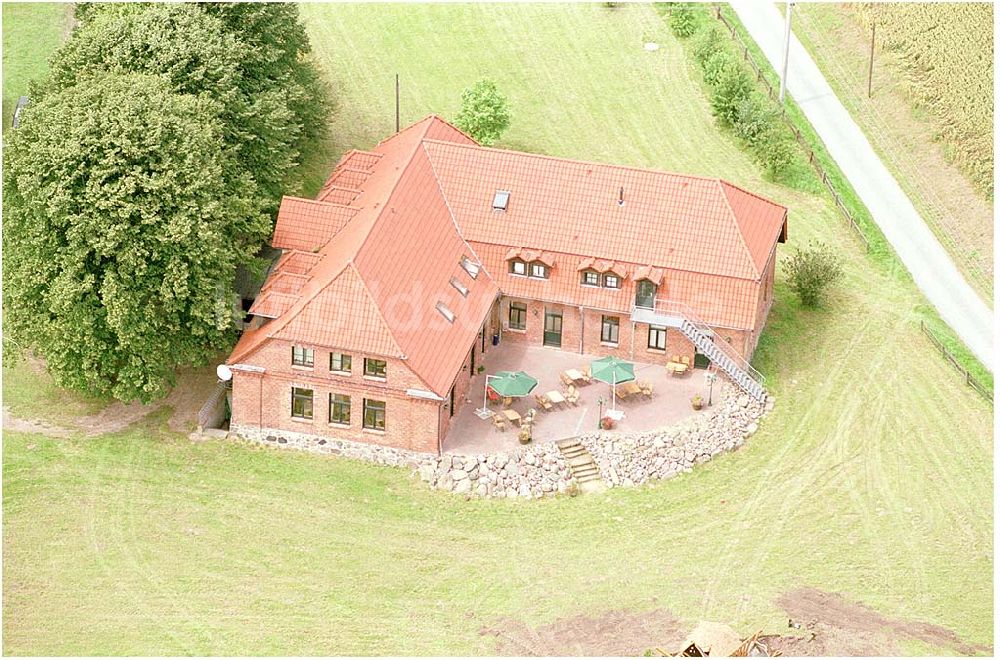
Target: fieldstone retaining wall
[
  {"x": 372, "y": 453},
  {"x": 635, "y": 459},
  {"x": 530, "y": 472},
  {"x": 623, "y": 459}
]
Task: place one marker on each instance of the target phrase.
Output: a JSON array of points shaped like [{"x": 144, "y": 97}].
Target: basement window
[
  {"x": 445, "y": 312},
  {"x": 461, "y": 288},
  {"x": 500, "y": 200},
  {"x": 469, "y": 267}
]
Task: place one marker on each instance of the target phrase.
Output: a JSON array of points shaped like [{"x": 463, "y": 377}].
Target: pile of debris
[{"x": 716, "y": 640}]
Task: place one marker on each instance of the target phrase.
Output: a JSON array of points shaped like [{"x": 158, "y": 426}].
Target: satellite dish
[{"x": 224, "y": 372}]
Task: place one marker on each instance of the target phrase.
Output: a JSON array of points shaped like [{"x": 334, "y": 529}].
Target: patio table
[
  {"x": 555, "y": 396},
  {"x": 628, "y": 389},
  {"x": 573, "y": 374},
  {"x": 512, "y": 415}
]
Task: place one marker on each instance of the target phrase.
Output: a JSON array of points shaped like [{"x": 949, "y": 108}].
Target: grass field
[
  {"x": 906, "y": 135},
  {"x": 31, "y": 31},
  {"x": 872, "y": 477}
]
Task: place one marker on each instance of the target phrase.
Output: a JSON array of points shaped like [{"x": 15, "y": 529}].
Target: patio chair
[
  {"x": 587, "y": 377},
  {"x": 573, "y": 395},
  {"x": 646, "y": 388},
  {"x": 543, "y": 402},
  {"x": 499, "y": 423},
  {"x": 566, "y": 380}
]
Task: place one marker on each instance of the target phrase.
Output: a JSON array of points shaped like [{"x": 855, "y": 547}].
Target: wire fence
[
  {"x": 811, "y": 155},
  {"x": 919, "y": 188},
  {"x": 970, "y": 380}
]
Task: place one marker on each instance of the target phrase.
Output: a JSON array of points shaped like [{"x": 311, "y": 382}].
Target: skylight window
[
  {"x": 500, "y": 200},
  {"x": 461, "y": 288},
  {"x": 469, "y": 267},
  {"x": 445, "y": 312}
]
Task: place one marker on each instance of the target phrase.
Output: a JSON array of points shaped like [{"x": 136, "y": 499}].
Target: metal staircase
[{"x": 678, "y": 315}]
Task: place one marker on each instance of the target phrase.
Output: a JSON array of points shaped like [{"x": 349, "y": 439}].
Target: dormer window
[
  {"x": 612, "y": 281},
  {"x": 500, "y": 199},
  {"x": 539, "y": 270},
  {"x": 591, "y": 278},
  {"x": 469, "y": 267},
  {"x": 518, "y": 267}
]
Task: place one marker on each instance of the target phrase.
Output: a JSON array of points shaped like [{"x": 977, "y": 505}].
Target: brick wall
[
  {"x": 633, "y": 338},
  {"x": 264, "y": 400}
]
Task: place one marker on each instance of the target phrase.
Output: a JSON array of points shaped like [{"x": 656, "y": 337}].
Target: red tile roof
[
  {"x": 370, "y": 263},
  {"x": 307, "y": 224},
  {"x": 668, "y": 220}
]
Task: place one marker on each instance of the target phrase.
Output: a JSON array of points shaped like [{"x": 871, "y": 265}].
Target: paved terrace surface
[
  {"x": 671, "y": 400},
  {"x": 931, "y": 267}
]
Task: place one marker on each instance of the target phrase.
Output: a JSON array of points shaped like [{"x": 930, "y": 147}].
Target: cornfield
[{"x": 947, "y": 51}]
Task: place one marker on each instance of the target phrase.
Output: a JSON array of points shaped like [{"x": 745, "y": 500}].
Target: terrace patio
[{"x": 671, "y": 400}]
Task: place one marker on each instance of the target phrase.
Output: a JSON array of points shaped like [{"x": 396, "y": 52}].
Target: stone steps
[{"x": 581, "y": 465}]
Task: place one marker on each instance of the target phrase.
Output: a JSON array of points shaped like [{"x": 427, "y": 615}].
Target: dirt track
[
  {"x": 192, "y": 389},
  {"x": 831, "y": 625}
]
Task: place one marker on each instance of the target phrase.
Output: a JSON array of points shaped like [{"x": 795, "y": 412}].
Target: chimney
[{"x": 621, "y": 196}]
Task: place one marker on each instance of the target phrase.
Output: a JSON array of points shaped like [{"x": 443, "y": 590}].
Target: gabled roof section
[
  {"x": 409, "y": 260},
  {"x": 306, "y": 224},
  {"x": 344, "y": 315},
  {"x": 376, "y": 282},
  {"x": 667, "y": 220},
  {"x": 760, "y": 221}
]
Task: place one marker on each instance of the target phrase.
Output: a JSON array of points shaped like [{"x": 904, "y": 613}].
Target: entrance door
[
  {"x": 553, "y": 328},
  {"x": 645, "y": 294},
  {"x": 702, "y": 361},
  {"x": 451, "y": 402}
]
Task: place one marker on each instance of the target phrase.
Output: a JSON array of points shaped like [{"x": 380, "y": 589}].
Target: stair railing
[{"x": 679, "y": 309}]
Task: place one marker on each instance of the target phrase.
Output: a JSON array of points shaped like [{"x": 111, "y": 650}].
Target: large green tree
[
  {"x": 199, "y": 54},
  {"x": 123, "y": 223}
]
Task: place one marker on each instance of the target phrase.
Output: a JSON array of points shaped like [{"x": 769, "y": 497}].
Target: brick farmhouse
[{"x": 418, "y": 255}]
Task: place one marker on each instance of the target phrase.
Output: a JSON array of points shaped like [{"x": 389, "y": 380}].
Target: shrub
[
  {"x": 733, "y": 85},
  {"x": 682, "y": 22},
  {"x": 484, "y": 114},
  {"x": 752, "y": 118},
  {"x": 773, "y": 150},
  {"x": 811, "y": 271},
  {"x": 714, "y": 65},
  {"x": 708, "y": 43}
]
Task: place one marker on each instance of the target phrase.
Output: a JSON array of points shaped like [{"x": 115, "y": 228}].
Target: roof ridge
[
  {"x": 739, "y": 231},
  {"x": 753, "y": 194},
  {"x": 451, "y": 213},
  {"x": 633, "y": 168}
]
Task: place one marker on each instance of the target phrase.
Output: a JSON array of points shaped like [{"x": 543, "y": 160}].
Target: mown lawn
[
  {"x": 31, "y": 31},
  {"x": 872, "y": 477}
]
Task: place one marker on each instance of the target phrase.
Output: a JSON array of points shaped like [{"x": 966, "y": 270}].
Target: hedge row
[{"x": 735, "y": 101}]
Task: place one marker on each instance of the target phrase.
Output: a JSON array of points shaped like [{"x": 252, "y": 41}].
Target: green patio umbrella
[
  {"x": 509, "y": 384},
  {"x": 612, "y": 371}
]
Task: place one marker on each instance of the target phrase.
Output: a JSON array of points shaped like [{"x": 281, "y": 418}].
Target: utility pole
[
  {"x": 871, "y": 59},
  {"x": 784, "y": 61},
  {"x": 397, "y": 102}
]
